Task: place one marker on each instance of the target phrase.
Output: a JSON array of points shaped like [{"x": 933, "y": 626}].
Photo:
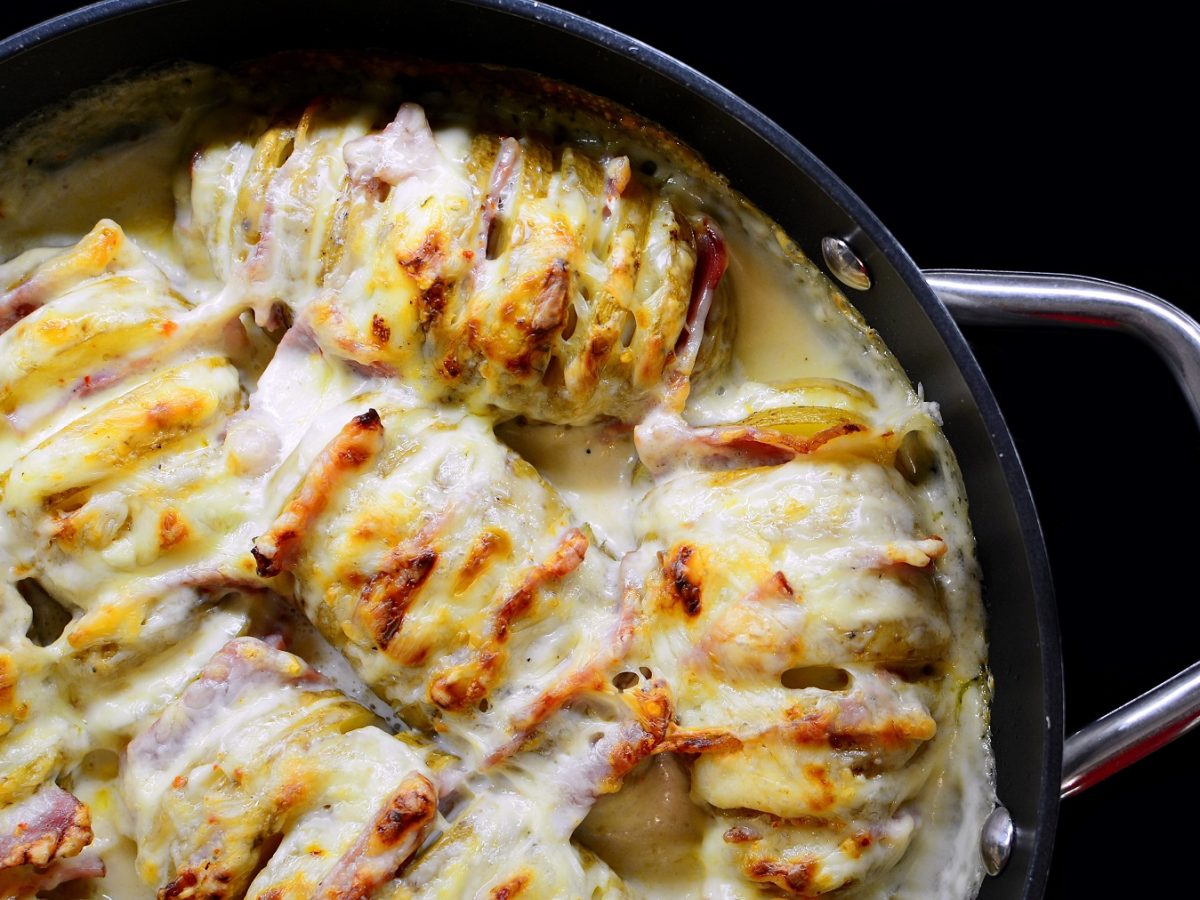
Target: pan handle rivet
[
  {"x": 844, "y": 263},
  {"x": 996, "y": 840}
]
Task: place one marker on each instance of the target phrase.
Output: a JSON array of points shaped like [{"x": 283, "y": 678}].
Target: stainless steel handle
[{"x": 1170, "y": 710}]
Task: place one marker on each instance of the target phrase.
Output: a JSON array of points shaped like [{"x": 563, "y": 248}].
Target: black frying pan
[{"x": 763, "y": 163}]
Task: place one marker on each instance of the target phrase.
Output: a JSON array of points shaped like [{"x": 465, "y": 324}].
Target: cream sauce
[
  {"x": 650, "y": 831},
  {"x": 94, "y": 782},
  {"x": 595, "y": 471}
]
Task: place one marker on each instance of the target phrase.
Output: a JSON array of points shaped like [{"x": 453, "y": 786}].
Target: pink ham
[
  {"x": 48, "y": 825},
  {"x": 711, "y": 262},
  {"x": 241, "y": 665}
]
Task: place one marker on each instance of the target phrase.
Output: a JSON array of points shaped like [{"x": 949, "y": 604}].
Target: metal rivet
[
  {"x": 845, "y": 264},
  {"x": 996, "y": 840}
]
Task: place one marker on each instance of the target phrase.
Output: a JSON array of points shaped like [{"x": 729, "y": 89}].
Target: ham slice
[{"x": 48, "y": 825}]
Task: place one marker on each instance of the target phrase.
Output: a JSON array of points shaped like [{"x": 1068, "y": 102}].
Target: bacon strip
[
  {"x": 550, "y": 305},
  {"x": 391, "y": 591},
  {"x": 593, "y": 677},
  {"x": 48, "y": 825},
  {"x": 397, "y": 832},
  {"x": 850, "y": 724},
  {"x": 565, "y": 559},
  {"x": 354, "y": 446},
  {"x": 241, "y": 665},
  {"x": 589, "y": 677},
  {"x": 404, "y": 149},
  {"x": 666, "y": 443},
  {"x": 616, "y": 178},
  {"x": 499, "y": 193},
  {"x": 711, "y": 262},
  {"x": 700, "y": 740},
  {"x": 654, "y": 710}
]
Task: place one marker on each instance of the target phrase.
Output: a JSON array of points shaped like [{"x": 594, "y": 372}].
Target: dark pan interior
[{"x": 45, "y": 64}]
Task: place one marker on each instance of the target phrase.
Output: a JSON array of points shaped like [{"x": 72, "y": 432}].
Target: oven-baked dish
[{"x": 425, "y": 481}]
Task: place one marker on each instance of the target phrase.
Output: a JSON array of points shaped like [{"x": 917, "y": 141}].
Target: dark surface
[{"x": 1057, "y": 148}]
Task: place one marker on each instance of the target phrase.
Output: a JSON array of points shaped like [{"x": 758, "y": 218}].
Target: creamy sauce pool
[{"x": 789, "y": 327}]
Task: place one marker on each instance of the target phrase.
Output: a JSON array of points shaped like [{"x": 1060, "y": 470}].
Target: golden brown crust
[
  {"x": 386, "y": 845},
  {"x": 50, "y": 824},
  {"x": 90, "y": 257},
  {"x": 793, "y": 877},
  {"x": 683, "y": 573},
  {"x": 353, "y": 447},
  {"x": 389, "y": 593},
  {"x": 512, "y": 887},
  {"x": 463, "y": 685},
  {"x": 10, "y": 676}
]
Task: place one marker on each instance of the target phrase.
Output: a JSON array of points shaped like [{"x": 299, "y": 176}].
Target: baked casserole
[{"x": 427, "y": 481}]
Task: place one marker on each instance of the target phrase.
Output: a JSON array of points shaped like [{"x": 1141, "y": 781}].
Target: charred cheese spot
[
  {"x": 433, "y": 303},
  {"x": 684, "y": 570},
  {"x": 426, "y": 259},
  {"x": 854, "y": 845},
  {"x": 740, "y": 834},
  {"x": 380, "y": 329},
  {"x": 793, "y": 877},
  {"x": 513, "y": 887},
  {"x": 413, "y": 806},
  {"x": 183, "y": 885},
  {"x": 389, "y": 593},
  {"x": 822, "y": 794}
]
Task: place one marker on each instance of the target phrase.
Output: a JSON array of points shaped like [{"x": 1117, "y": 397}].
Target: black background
[{"x": 1005, "y": 138}]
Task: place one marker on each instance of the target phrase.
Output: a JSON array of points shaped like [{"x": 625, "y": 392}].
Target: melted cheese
[
  {"x": 452, "y": 578},
  {"x": 591, "y": 486},
  {"x": 562, "y": 299}
]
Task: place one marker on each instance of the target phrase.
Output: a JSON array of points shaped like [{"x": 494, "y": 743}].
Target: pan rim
[{"x": 872, "y": 229}]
